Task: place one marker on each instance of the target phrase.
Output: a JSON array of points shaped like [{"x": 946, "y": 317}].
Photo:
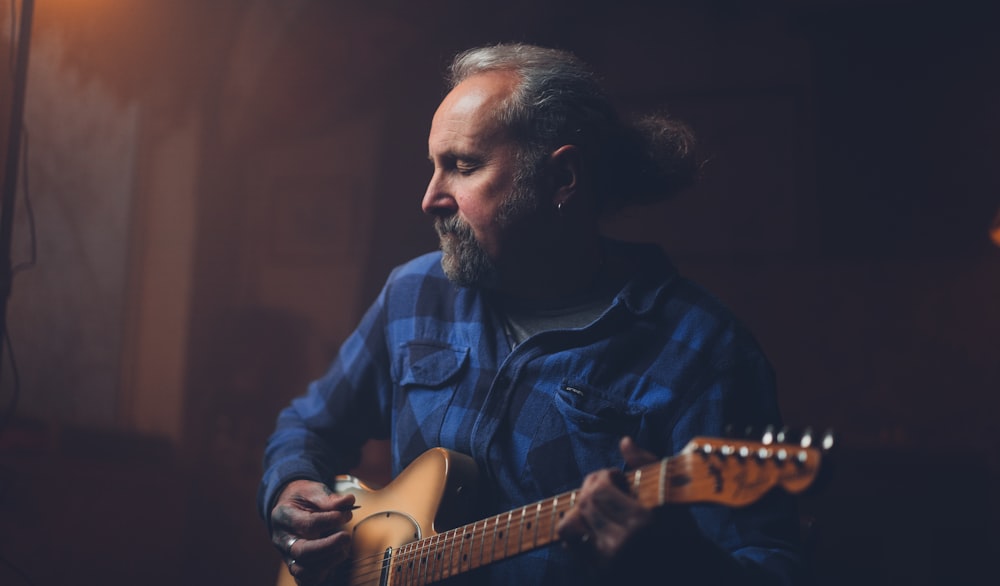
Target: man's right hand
[{"x": 307, "y": 528}]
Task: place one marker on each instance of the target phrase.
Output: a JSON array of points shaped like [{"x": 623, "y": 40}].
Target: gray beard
[{"x": 464, "y": 261}]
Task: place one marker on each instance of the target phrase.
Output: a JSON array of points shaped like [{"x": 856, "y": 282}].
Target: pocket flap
[{"x": 431, "y": 364}]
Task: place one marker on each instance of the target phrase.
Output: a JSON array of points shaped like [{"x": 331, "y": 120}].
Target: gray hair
[{"x": 559, "y": 100}]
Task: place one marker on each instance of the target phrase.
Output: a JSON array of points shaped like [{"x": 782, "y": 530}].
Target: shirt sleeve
[{"x": 320, "y": 434}]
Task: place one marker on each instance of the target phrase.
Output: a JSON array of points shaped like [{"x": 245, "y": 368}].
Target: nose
[{"x": 437, "y": 199}]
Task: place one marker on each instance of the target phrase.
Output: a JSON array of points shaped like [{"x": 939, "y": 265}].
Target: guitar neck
[{"x": 706, "y": 471}]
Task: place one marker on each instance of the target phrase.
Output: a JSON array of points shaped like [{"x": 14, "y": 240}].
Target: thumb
[{"x": 634, "y": 455}]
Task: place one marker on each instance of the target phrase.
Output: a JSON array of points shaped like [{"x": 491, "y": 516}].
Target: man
[{"x": 553, "y": 357}]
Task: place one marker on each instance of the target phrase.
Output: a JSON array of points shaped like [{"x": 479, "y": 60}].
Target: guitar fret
[
  {"x": 405, "y": 563},
  {"x": 414, "y": 573},
  {"x": 418, "y": 565},
  {"x": 552, "y": 521},
  {"x": 493, "y": 546},
  {"x": 397, "y": 559},
  {"x": 421, "y": 555},
  {"x": 481, "y": 540},
  {"x": 470, "y": 543},
  {"x": 506, "y": 541},
  {"x": 448, "y": 559},
  {"x": 538, "y": 513},
  {"x": 455, "y": 553},
  {"x": 493, "y": 540},
  {"x": 401, "y": 563},
  {"x": 422, "y": 561},
  {"x": 520, "y": 534},
  {"x": 430, "y": 553},
  {"x": 437, "y": 555},
  {"x": 459, "y": 546},
  {"x": 444, "y": 555},
  {"x": 663, "y": 482},
  {"x": 482, "y": 544},
  {"x": 409, "y": 566},
  {"x": 474, "y": 561},
  {"x": 488, "y": 552},
  {"x": 462, "y": 556},
  {"x": 446, "y": 552}
]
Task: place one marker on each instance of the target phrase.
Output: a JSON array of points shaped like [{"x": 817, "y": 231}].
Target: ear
[{"x": 564, "y": 167}]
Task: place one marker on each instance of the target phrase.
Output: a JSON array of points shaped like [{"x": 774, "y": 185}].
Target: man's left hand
[{"x": 606, "y": 516}]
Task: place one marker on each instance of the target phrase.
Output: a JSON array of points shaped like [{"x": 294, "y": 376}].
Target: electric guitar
[{"x": 395, "y": 529}]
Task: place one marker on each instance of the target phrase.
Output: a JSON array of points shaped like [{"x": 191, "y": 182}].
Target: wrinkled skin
[
  {"x": 606, "y": 517},
  {"x": 312, "y": 514}
]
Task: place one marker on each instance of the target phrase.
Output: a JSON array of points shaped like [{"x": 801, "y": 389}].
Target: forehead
[{"x": 465, "y": 117}]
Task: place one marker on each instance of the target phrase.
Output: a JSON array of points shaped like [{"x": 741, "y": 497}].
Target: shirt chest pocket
[
  {"x": 429, "y": 364},
  {"x": 588, "y": 410},
  {"x": 578, "y": 432},
  {"x": 427, "y": 374}
]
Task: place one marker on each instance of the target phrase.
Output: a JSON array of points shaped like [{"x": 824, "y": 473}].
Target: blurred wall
[{"x": 219, "y": 188}]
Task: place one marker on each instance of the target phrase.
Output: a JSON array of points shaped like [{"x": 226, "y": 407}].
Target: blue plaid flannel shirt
[{"x": 430, "y": 365}]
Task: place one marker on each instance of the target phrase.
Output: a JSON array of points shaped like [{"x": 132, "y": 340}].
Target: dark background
[{"x": 845, "y": 214}]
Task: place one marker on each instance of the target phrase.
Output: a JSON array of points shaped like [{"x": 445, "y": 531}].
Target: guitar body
[{"x": 432, "y": 494}]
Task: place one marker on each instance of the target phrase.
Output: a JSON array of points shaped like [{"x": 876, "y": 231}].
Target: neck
[{"x": 552, "y": 275}]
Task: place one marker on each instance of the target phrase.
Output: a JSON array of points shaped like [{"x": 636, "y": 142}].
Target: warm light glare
[
  {"x": 995, "y": 229},
  {"x": 93, "y": 16}
]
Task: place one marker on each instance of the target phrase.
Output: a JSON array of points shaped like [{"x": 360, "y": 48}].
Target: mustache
[{"x": 452, "y": 225}]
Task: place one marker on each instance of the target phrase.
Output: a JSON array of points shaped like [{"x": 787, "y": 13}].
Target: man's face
[{"x": 474, "y": 194}]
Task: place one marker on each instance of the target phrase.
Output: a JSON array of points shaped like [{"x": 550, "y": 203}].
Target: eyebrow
[{"x": 454, "y": 155}]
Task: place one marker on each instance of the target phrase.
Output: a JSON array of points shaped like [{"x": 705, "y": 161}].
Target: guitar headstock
[{"x": 737, "y": 472}]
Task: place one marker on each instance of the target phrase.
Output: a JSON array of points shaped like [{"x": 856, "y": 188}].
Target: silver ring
[
  {"x": 290, "y": 564},
  {"x": 288, "y": 545}
]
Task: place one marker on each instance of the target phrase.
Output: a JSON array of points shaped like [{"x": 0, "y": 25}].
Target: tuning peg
[
  {"x": 807, "y": 438},
  {"x": 827, "y": 442},
  {"x": 782, "y": 435},
  {"x": 768, "y": 437},
  {"x": 781, "y": 456}
]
